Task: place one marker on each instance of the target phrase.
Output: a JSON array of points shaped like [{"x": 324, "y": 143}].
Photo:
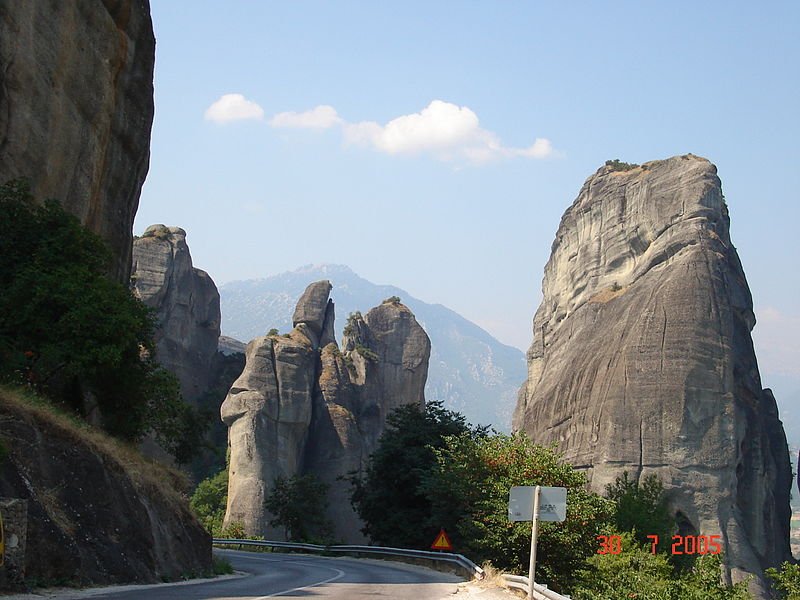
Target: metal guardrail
[
  {"x": 540, "y": 591},
  {"x": 458, "y": 560}
]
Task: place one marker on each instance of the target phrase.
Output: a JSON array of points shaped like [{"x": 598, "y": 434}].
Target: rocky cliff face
[
  {"x": 303, "y": 406},
  {"x": 97, "y": 511},
  {"x": 186, "y": 303},
  {"x": 76, "y": 108},
  {"x": 642, "y": 359}
]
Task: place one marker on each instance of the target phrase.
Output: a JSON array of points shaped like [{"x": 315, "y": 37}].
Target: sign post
[
  {"x": 535, "y": 519},
  {"x": 536, "y": 503}
]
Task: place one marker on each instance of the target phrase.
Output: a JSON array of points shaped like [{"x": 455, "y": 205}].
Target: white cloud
[
  {"x": 541, "y": 148},
  {"x": 439, "y": 126},
  {"x": 321, "y": 117},
  {"x": 443, "y": 130},
  {"x": 233, "y": 107},
  {"x": 447, "y": 131}
]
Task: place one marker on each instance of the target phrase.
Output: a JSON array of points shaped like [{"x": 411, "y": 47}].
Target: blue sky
[{"x": 435, "y": 145}]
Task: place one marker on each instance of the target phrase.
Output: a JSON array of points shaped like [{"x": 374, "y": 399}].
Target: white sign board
[{"x": 552, "y": 503}]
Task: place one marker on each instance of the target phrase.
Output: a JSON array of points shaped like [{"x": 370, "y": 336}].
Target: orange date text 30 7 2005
[{"x": 681, "y": 544}]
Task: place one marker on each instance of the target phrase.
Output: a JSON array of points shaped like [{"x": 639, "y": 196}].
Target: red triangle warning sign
[{"x": 442, "y": 542}]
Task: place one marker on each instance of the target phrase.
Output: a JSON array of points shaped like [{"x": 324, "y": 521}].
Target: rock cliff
[
  {"x": 97, "y": 511},
  {"x": 186, "y": 302},
  {"x": 642, "y": 358},
  {"x": 76, "y": 108},
  {"x": 303, "y": 406}
]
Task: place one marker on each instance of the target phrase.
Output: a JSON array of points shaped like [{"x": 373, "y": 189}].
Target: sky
[{"x": 435, "y": 145}]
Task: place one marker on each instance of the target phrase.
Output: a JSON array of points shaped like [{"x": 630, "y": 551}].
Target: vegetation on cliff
[
  {"x": 74, "y": 335},
  {"x": 617, "y": 165},
  {"x": 432, "y": 470}
]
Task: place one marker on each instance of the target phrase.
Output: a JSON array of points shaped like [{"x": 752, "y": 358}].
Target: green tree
[
  {"x": 633, "y": 573},
  {"x": 298, "y": 505},
  {"x": 390, "y": 499},
  {"x": 638, "y": 573},
  {"x": 72, "y": 333},
  {"x": 786, "y": 581},
  {"x": 641, "y": 508},
  {"x": 209, "y": 502},
  {"x": 469, "y": 491},
  {"x": 703, "y": 582}
]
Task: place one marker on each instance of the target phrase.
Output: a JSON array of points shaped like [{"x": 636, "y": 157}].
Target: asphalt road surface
[{"x": 276, "y": 575}]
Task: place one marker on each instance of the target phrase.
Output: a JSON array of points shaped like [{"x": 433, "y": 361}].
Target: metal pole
[{"x": 532, "y": 566}]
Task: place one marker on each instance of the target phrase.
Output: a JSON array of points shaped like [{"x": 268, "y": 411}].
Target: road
[{"x": 277, "y": 575}]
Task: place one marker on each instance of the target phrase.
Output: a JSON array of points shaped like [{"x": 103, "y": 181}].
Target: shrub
[
  {"x": 392, "y": 300},
  {"x": 350, "y": 327},
  {"x": 641, "y": 508},
  {"x": 221, "y": 565},
  {"x": 367, "y": 353},
  {"x": 786, "y": 581},
  {"x": 638, "y": 573},
  {"x": 618, "y": 165},
  {"x": 209, "y": 502}
]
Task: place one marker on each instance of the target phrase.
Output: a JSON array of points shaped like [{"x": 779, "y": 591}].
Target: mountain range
[{"x": 470, "y": 371}]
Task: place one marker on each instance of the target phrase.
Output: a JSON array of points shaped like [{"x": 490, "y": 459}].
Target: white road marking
[{"x": 339, "y": 575}]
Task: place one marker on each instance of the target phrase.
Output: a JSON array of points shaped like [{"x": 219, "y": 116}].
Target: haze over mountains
[{"x": 470, "y": 371}]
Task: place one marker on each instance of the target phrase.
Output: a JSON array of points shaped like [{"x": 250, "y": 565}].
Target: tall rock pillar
[
  {"x": 642, "y": 359},
  {"x": 302, "y": 406},
  {"x": 186, "y": 302}
]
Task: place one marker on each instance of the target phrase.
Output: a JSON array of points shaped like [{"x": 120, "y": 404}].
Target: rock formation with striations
[
  {"x": 97, "y": 511},
  {"x": 303, "y": 406},
  {"x": 76, "y": 108},
  {"x": 642, "y": 359},
  {"x": 186, "y": 302}
]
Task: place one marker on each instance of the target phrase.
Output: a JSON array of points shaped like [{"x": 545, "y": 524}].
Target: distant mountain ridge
[{"x": 470, "y": 371}]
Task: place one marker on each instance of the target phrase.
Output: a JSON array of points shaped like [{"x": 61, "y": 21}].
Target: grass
[
  {"x": 23, "y": 404},
  {"x": 221, "y": 566}
]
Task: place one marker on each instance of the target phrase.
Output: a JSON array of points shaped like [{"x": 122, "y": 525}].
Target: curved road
[{"x": 276, "y": 575}]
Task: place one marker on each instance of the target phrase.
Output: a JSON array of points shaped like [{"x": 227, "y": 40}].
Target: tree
[
  {"x": 641, "y": 508},
  {"x": 390, "y": 499},
  {"x": 637, "y": 573},
  {"x": 75, "y": 335},
  {"x": 209, "y": 502},
  {"x": 469, "y": 491},
  {"x": 786, "y": 581},
  {"x": 298, "y": 505}
]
